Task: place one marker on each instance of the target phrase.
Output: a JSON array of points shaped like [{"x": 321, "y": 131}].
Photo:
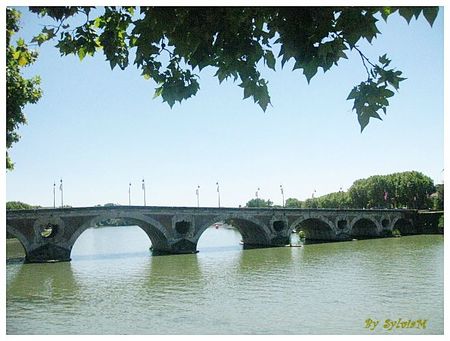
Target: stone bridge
[{"x": 49, "y": 234}]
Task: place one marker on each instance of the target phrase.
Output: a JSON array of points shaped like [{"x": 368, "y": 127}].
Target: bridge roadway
[{"x": 49, "y": 234}]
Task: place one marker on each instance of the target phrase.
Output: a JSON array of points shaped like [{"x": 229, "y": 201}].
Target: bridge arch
[
  {"x": 405, "y": 226},
  {"x": 253, "y": 231},
  {"x": 156, "y": 232},
  {"x": 315, "y": 228},
  {"x": 20, "y": 237},
  {"x": 366, "y": 227}
]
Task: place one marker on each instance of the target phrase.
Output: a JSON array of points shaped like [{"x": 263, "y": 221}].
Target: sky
[{"x": 99, "y": 130}]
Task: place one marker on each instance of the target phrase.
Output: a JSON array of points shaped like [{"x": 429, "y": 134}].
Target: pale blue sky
[{"x": 99, "y": 129}]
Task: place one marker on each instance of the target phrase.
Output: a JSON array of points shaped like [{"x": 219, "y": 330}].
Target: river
[{"x": 114, "y": 286}]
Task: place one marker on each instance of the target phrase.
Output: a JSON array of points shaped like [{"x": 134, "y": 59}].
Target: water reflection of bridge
[{"x": 49, "y": 234}]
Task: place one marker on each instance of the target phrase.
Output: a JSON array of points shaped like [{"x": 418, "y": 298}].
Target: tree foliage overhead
[
  {"x": 171, "y": 44},
  {"x": 19, "y": 90}
]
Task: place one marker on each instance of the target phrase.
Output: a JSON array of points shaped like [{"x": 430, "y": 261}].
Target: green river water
[{"x": 114, "y": 286}]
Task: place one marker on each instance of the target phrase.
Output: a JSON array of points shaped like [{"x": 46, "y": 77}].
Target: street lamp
[
  {"x": 197, "y": 192},
  {"x": 143, "y": 188},
  {"x": 282, "y": 193},
  {"x": 54, "y": 194},
  {"x": 62, "y": 192},
  {"x": 129, "y": 194},
  {"x": 218, "y": 193},
  {"x": 313, "y": 199}
]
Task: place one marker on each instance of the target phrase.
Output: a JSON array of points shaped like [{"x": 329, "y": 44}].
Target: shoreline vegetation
[{"x": 410, "y": 189}]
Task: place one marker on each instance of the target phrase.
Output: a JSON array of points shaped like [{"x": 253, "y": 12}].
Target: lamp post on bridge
[
  {"x": 143, "y": 188},
  {"x": 257, "y": 197},
  {"x": 54, "y": 194},
  {"x": 129, "y": 194},
  {"x": 218, "y": 193},
  {"x": 197, "y": 192},
  {"x": 282, "y": 193},
  {"x": 62, "y": 192}
]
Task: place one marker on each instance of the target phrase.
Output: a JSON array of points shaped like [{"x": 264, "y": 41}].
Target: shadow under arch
[
  {"x": 156, "y": 232},
  {"x": 19, "y": 236},
  {"x": 365, "y": 228},
  {"x": 405, "y": 226},
  {"x": 253, "y": 232},
  {"x": 316, "y": 230}
]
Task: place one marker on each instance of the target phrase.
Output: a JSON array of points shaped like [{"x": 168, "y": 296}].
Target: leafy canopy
[
  {"x": 258, "y": 202},
  {"x": 406, "y": 189},
  {"x": 172, "y": 43},
  {"x": 18, "y": 205},
  {"x": 19, "y": 90}
]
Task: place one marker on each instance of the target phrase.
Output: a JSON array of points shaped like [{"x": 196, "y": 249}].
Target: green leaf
[
  {"x": 309, "y": 71},
  {"x": 49, "y": 32},
  {"x": 430, "y": 13},
  {"x": 374, "y": 114},
  {"x": 384, "y": 60},
  {"x": 98, "y": 21},
  {"x": 158, "y": 91},
  {"x": 247, "y": 91},
  {"x": 407, "y": 13},
  {"x": 221, "y": 75},
  {"x": 23, "y": 60},
  {"x": 388, "y": 93},
  {"x": 263, "y": 101},
  {"x": 81, "y": 53},
  {"x": 363, "y": 121},
  {"x": 353, "y": 93},
  {"x": 341, "y": 54},
  {"x": 386, "y": 11},
  {"x": 270, "y": 59}
]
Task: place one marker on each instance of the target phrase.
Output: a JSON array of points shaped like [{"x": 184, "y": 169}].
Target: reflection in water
[
  {"x": 15, "y": 251},
  {"x": 272, "y": 259},
  {"x": 114, "y": 286},
  {"x": 39, "y": 282},
  {"x": 170, "y": 273}
]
